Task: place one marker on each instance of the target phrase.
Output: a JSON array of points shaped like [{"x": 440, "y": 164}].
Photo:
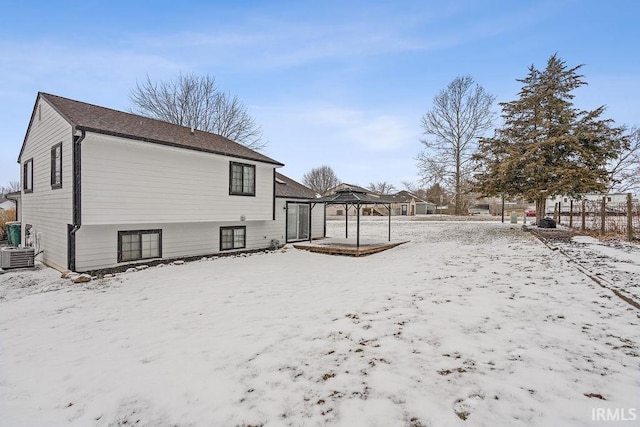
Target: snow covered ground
[
  {"x": 617, "y": 262},
  {"x": 470, "y": 323}
]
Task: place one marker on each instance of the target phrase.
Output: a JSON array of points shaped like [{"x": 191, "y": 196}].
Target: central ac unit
[{"x": 11, "y": 257}]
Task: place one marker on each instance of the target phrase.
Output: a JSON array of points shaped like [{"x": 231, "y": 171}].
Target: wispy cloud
[{"x": 362, "y": 129}]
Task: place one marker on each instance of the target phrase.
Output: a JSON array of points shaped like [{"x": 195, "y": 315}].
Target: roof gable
[
  {"x": 344, "y": 186},
  {"x": 92, "y": 118}
]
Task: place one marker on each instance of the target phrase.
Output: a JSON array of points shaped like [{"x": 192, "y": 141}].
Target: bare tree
[
  {"x": 624, "y": 170},
  {"x": 195, "y": 101},
  {"x": 13, "y": 186},
  {"x": 384, "y": 188},
  {"x": 461, "y": 114},
  {"x": 320, "y": 179}
]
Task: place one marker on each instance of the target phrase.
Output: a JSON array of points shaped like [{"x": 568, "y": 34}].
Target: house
[
  {"x": 403, "y": 203},
  {"x": 479, "y": 209},
  {"x": 95, "y": 183},
  {"x": 407, "y": 203},
  {"x": 6, "y": 204}
]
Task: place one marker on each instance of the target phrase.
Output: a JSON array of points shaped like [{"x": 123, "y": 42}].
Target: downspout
[{"x": 76, "y": 201}]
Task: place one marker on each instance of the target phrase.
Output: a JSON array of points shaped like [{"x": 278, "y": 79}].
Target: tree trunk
[
  {"x": 540, "y": 208},
  {"x": 458, "y": 208}
]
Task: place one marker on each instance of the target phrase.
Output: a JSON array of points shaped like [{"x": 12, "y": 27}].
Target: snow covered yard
[{"x": 474, "y": 323}]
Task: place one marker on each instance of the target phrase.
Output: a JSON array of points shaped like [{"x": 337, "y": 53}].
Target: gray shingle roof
[
  {"x": 288, "y": 188},
  {"x": 106, "y": 121},
  {"x": 355, "y": 197}
]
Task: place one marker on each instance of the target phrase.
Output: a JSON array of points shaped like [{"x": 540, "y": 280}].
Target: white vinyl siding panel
[
  {"x": 97, "y": 245},
  {"x": 48, "y": 211},
  {"x": 133, "y": 182}
]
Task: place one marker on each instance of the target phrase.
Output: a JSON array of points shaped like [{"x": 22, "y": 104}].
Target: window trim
[
  {"x": 26, "y": 181},
  {"x": 139, "y": 232},
  {"x": 243, "y": 192},
  {"x": 55, "y": 165},
  {"x": 234, "y": 227}
]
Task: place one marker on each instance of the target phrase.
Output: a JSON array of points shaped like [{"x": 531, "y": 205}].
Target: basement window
[
  {"x": 233, "y": 238},
  {"x": 139, "y": 244}
]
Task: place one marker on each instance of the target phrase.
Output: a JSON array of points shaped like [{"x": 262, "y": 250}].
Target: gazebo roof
[{"x": 351, "y": 196}]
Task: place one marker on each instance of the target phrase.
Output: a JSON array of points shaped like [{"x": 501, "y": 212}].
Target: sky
[{"x": 337, "y": 83}]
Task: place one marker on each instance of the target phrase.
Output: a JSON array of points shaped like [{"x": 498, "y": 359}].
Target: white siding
[
  {"x": 98, "y": 244},
  {"x": 48, "y": 211},
  {"x": 133, "y": 182}
]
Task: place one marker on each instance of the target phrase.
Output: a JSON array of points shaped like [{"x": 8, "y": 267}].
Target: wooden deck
[{"x": 344, "y": 248}]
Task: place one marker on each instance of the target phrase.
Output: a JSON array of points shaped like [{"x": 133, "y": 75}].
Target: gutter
[
  {"x": 76, "y": 209},
  {"x": 15, "y": 196}
]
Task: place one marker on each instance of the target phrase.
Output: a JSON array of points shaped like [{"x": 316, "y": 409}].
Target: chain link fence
[{"x": 602, "y": 217}]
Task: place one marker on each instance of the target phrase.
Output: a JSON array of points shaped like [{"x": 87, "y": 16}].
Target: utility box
[
  {"x": 14, "y": 229},
  {"x": 514, "y": 218}
]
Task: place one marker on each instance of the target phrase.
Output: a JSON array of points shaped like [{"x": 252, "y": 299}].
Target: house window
[
  {"x": 56, "y": 166},
  {"x": 139, "y": 244},
  {"x": 233, "y": 238},
  {"x": 242, "y": 179},
  {"x": 27, "y": 176}
]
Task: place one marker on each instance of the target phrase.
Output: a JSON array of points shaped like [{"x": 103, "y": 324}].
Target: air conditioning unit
[{"x": 11, "y": 257}]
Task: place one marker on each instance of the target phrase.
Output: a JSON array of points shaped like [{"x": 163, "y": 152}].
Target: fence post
[
  {"x": 603, "y": 215},
  {"x": 571, "y": 214},
  {"x": 629, "y": 218},
  {"x": 584, "y": 214},
  {"x": 559, "y": 212}
]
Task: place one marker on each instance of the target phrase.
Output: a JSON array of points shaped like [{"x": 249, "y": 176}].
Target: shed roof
[{"x": 92, "y": 118}]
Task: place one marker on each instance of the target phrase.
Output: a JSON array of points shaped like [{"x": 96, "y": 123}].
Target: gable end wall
[{"x": 47, "y": 210}]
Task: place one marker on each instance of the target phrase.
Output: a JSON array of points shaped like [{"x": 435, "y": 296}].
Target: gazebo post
[
  {"x": 357, "y": 227},
  {"x": 346, "y": 224},
  {"x": 389, "y": 210},
  {"x": 311, "y": 206}
]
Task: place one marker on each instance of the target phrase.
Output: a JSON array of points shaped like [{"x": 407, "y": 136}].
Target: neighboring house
[
  {"x": 95, "y": 182},
  {"x": 479, "y": 209},
  {"x": 407, "y": 203},
  {"x": 403, "y": 203},
  {"x": 6, "y": 204}
]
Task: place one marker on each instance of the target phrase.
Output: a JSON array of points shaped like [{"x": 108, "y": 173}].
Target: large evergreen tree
[{"x": 547, "y": 146}]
